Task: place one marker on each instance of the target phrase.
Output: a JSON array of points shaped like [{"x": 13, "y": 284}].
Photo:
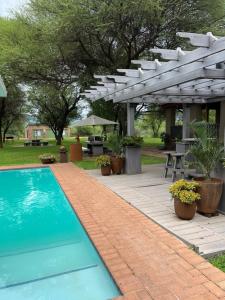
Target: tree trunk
[
  {"x": 58, "y": 140},
  {"x": 59, "y": 137},
  {"x": 4, "y": 133},
  {"x": 1, "y": 139},
  {"x": 2, "y": 111}
]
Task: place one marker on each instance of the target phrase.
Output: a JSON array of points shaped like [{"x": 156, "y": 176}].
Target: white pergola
[{"x": 185, "y": 77}]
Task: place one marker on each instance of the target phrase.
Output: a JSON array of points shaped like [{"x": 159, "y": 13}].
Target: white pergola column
[
  {"x": 131, "y": 108},
  {"x": 186, "y": 121}
]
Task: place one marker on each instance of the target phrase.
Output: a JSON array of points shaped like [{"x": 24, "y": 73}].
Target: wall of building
[{"x": 42, "y": 131}]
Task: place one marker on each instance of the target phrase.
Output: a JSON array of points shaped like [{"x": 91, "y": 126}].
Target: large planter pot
[
  {"x": 183, "y": 210},
  {"x": 76, "y": 153},
  {"x": 117, "y": 164},
  {"x": 63, "y": 157},
  {"x": 210, "y": 191},
  {"x": 106, "y": 170},
  {"x": 132, "y": 160}
]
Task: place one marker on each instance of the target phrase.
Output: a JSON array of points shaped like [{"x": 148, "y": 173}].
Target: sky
[{"x": 7, "y": 5}]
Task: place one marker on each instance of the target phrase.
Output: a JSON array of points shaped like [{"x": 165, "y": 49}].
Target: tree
[
  {"x": 153, "y": 118},
  {"x": 54, "y": 106},
  {"x": 12, "y": 108},
  {"x": 54, "y": 40},
  {"x": 109, "y": 34},
  {"x": 37, "y": 60}
]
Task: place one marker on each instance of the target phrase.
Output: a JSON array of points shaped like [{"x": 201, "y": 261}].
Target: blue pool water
[{"x": 45, "y": 253}]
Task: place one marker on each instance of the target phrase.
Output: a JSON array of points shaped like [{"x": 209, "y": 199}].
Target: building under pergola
[{"x": 193, "y": 80}]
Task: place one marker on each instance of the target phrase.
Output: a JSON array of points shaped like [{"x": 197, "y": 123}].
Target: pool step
[
  {"x": 86, "y": 284},
  {"x": 36, "y": 265}
]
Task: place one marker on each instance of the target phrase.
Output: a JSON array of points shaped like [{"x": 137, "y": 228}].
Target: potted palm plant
[
  {"x": 207, "y": 153},
  {"x": 104, "y": 162},
  {"x": 132, "y": 149},
  {"x": 117, "y": 159},
  {"x": 185, "y": 195}
]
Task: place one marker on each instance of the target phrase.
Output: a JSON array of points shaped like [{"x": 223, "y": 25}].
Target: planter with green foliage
[
  {"x": 103, "y": 161},
  {"x": 207, "y": 152},
  {"x": 185, "y": 195},
  {"x": 132, "y": 150},
  {"x": 117, "y": 158},
  {"x": 47, "y": 158}
]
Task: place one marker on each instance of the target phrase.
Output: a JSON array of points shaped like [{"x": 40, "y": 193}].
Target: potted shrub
[
  {"x": 185, "y": 195},
  {"x": 132, "y": 149},
  {"x": 104, "y": 162},
  {"x": 47, "y": 158},
  {"x": 207, "y": 152},
  {"x": 63, "y": 154},
  {"x": 117, "y": 159}
]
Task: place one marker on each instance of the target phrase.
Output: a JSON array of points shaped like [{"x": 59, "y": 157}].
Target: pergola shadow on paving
[{"x": 183, "y": 77}]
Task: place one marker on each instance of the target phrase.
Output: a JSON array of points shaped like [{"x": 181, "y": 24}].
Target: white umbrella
[{"x": 94, "y": 121}]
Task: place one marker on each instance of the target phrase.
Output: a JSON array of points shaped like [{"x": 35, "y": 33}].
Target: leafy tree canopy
[{"x": 53, "y": 41}]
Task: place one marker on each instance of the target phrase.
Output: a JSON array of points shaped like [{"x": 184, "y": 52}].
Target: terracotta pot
[
  {"x": 183, "y": 210},
  {"x": 210, "y": 191},
  {"x": 76, "y": 153},
  {"x": 63, "y": 156},
  {"x": 117, "y": 164},
  {"x": 106, "y": 170}
]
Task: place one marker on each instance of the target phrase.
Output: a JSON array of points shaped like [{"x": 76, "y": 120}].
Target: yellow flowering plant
[{"x": 185, "y": 191}]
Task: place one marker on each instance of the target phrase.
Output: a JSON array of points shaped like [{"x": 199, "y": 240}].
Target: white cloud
[{"x": 6, "y": 6}]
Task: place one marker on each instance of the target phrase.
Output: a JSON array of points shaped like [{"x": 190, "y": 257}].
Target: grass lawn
[
  {"x": 14, "y": 153},
  {"x": 152, "y": 142},
  {"x": 219, "y": 262}
]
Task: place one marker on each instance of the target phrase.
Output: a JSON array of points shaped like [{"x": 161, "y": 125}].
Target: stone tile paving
[{"x": 148, "y": 192}]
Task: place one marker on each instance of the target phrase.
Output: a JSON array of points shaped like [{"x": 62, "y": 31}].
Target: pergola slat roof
[{"x": 196, "y": 76}]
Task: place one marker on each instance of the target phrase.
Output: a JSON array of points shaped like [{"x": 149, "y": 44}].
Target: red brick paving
[{"x": 145, "y": 260}]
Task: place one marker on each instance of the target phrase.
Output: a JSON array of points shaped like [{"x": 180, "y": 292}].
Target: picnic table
[{"x": 35, "y": 143}]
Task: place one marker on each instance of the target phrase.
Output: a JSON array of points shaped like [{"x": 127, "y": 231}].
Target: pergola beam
[
  {"x": 166, "y": 81},
  {"x": 164, "y": 100},
  {"x": 187, "y": 74},
  {"x": 170, "y": 54},
  {"x": 198, "y": 39},
  {"x": 210, "y": 56}
]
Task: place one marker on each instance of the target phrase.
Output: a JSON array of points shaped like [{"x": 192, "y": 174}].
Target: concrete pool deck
[
  {"x": 145, "y": 260},
  {"x": 149, "y": 192}
]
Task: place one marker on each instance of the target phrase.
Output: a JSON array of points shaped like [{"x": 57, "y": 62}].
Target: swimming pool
[{"x": 45, "y": 252}]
